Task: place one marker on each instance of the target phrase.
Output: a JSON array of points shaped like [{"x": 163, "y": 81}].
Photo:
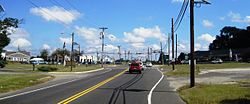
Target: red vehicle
[{"x": 135, "y": 67}]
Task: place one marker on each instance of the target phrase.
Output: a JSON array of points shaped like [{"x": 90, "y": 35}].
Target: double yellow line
[{"x": 74, "y": 97}]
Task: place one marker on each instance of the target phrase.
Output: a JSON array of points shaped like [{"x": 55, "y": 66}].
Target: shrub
[{"x": 47, "y": 68}]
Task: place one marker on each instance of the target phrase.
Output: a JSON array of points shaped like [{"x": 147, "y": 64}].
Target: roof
[
  {"x": 8, "y": 53},
  {"x": 37, "y": 59}
]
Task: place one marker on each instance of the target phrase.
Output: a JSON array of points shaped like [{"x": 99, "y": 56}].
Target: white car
[
  {"x": 149, "y": 64},
  {"x": 217, "y": 61}
]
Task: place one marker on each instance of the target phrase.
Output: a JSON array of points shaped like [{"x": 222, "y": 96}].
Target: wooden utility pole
[
  {"x": 192, "y": 55},
  {"x": 172, "y": 29},
  {"x": 176, "y": 46},
  {"x": 72, "y": 49}
]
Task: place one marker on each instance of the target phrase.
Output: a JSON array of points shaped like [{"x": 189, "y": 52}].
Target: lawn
[
  {"x": 184, "y": 69},
  {"x": 216, "y": 94},
  {"x": 11, "y": 82},
  {"x": 17, "y": 67}
]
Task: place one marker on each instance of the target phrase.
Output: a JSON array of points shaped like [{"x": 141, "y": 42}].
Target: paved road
[{"x": 104, "y": 87}]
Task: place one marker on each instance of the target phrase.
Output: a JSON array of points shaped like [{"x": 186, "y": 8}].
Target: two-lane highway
[{"x": 113, "y": 87}]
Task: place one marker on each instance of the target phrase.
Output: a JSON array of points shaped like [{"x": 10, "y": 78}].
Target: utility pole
[
  {"x": 125, "y": 55},
  {"x": 102, "y": 37},
  {"x": 119, "y": 52},
  {"x": 173, "y": 62},
  {"x": 72, "y": 49},
  {"x": 79, "y": 49},
  {"x": 176, "y": 46},
  {"x": 148, "y": 54},
  {"x": 151, "y": 54},
  {"x": 161, "y": 54},
  {"x": 168, "y": 48},
  {"x": 192, "y": 66}
]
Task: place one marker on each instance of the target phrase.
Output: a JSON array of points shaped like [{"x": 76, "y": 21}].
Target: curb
[{"x": 76, "y": 72}]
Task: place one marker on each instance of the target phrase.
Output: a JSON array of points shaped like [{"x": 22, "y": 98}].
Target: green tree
[
  {"x": 182, "y": 56},
  {"x": 60, "y": 52},
  {"x": 231, "y": 38},
  {"x": 5, "y": 26},
  {"x": 44, "y": 54}
]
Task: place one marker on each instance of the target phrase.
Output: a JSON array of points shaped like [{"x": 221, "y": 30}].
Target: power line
[
  {"x": 87, "y": 19},
  {"x": 179, "y": 15},
  {"x": 35, "y": 5},
  {"x": 182, "y": 16}
]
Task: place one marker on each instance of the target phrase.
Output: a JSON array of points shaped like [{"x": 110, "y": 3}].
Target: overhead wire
[
  {"x": 35, "y": 5},
  {"x": 87, "y": 19},
  {"x": 186, "y": 5},
  {"x": 180, "y": 13}
]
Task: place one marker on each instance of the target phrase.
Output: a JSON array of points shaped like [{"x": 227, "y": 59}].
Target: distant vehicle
[
  {"x": 149, "y": 64},
  {"x": 217, "y": 61},
  {"x": 142, "y": 65},
  {"x": 37, "y": 61},
  {"x": 118, "y": 62},
  {"x": 135, "y": 67},
  {"x": 185, "y": 62}
]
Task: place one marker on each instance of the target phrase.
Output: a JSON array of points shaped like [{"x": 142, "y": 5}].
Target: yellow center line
[{"x": 74, "y": 97}]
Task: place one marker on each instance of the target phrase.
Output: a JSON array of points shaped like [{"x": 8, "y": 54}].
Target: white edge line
[
  {"x": 43, "y": 88},
  {"x": 151, "y": 91}
]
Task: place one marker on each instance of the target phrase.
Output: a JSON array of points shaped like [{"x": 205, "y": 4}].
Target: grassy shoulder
[
  {"x": 184, "y": 69},
  {"x": 216, "y": 94},
  {"x": 11, "y": 82},
  {"x": 17, "y": 67}
]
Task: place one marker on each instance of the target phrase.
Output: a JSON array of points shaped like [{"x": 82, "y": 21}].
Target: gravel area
[{"x": 222, "y": 76}]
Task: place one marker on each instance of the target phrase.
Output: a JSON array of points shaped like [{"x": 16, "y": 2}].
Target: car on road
[
  {"x": 135, "y": 67},
  {"x": 217, "y": 61},
  {"x": 149, "y": 64}
]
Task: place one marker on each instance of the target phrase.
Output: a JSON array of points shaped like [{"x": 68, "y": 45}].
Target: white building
[
  {"x": 19, "y": 56},
  {"x": 88, "y": 59}
]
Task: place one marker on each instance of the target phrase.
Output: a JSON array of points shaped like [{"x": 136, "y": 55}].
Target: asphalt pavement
[{"x": 109, "y": 86}]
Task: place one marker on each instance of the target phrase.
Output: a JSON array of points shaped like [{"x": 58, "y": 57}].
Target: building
[
  {"x": 88, "y": 59},
  {"x": 19, "y": 56}
]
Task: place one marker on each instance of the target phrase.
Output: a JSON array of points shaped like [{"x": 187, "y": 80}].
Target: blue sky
[{"x": 133, "y": 24}]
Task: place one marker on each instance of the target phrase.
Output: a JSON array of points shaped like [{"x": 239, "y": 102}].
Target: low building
[
  {"x": 19, "y": 56},
  {"x": 88, "y": 59}
]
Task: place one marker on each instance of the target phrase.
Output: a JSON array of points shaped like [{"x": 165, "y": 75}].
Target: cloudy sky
[{"x": 135, "y": 25}]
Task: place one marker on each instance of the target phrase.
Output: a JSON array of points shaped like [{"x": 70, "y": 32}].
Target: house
[{"x": 19, "y": 56}]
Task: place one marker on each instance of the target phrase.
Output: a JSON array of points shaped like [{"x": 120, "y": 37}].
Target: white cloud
[
  {"x": 57, "y": 14},
  {"x": 111, "y": 48},
  {"x": 19, "y": 38},
  {"x": 207, "y": 24},
  {"x": 247, "y": 19},
  {"x": 21, "y": 42},
  {"x": 156, "y": 47},
  {"x": 235, "y": 17},
  {"x": 66, "y": 40},
  {"x": 139, "y": 35},
  {"x": 206, "y": 37},
  {"x": 112, "y": 38},
  {"x": 46, "y": 46},
  {"x": 90, "y": 35},
  {"x": 197, "y": 46}
]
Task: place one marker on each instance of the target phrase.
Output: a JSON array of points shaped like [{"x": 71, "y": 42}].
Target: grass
[
  {"x": 17, "y": 67},
  {"x": 184, "y": 69},
  {"x": 216, "y": 94},
  {"x": 11, "y": 82}
]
